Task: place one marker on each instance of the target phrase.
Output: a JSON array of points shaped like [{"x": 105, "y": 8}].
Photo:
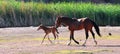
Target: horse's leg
[
  {"x": 43, "y": 38},
  {"x": 72, "y": 37},
  {"x": 49, "y": 39},
  {"x": 86, "y": 32},
  {"x": 93, "y": 36}
]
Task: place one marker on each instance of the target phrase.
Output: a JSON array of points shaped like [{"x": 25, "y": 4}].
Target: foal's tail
[{"x": 96, "y": 28}]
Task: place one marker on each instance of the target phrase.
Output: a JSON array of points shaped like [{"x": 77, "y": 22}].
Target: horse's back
[
  {"x": 84, "y": 22},
  {"x": 82, "y": 19}
]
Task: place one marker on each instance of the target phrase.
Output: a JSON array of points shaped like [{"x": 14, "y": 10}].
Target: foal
[{"x": 47, "y": 31}]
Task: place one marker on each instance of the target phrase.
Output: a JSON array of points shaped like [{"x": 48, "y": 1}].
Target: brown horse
[
  {"x": 78, "y": 24},
  {"x": 47, "y": 31}
]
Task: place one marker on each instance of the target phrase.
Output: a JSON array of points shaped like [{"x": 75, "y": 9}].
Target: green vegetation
[{"x": 14, "y": 13}]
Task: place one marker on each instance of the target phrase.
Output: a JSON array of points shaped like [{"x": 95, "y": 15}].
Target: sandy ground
[{"x": 26, "y": 40}]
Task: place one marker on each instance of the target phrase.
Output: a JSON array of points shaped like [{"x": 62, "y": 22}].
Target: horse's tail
[{"x": 96, "y": 28}]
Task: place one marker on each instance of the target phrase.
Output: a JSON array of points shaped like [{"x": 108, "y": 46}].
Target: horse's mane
[{"x": 69, "y": 19}]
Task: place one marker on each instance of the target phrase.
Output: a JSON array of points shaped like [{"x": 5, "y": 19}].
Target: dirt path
[{"x": 26, "y": 40}]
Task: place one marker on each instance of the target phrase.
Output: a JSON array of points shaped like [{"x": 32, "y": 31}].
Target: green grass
[
  {"x": 14, "y": 13},
  {"x": 114, "y": 37}
]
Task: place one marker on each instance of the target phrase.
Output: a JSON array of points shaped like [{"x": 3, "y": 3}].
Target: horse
[
  {"x": 47, "y": 31},
  {"x": 78, "y": 24}
]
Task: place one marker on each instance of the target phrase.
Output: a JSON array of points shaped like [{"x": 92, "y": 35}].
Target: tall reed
[{"x": 32, "y": 14}]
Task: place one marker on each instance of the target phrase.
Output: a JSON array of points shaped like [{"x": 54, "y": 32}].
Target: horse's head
[
  {"x": 40, "y": 27},
  {"x": 58, "y": 21}
]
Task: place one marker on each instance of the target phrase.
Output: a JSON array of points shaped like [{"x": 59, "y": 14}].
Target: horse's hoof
[
  {"x": 77, "y": 42},
  {"x": 69, "y": 44}
]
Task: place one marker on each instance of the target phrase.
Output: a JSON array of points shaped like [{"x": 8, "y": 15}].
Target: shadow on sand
[
  {"x": 95, "y": 46},
  {"x": 108, "y": 45}
]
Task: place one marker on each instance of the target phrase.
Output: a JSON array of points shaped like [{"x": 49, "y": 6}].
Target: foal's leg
[
  {"x": 49, "y": 39},
  {"x": 93, "y": 36},
  {"x": 43, "y": 38},
  {"x": 72, "y": 37},
  {"x": 54, "y": 35},
  {"x": 86, "y": 32},
  {"x": 57, "y": 38}
]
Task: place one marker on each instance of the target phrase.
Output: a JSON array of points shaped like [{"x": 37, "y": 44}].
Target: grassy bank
[{"x": 14, "y": 13}]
